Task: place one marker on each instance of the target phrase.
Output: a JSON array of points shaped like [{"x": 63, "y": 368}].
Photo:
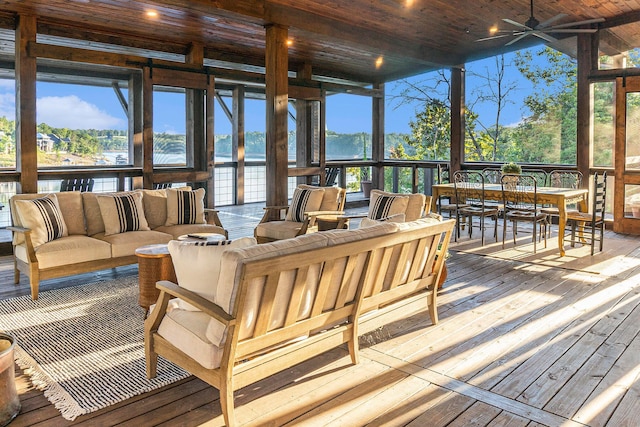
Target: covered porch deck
[{"x": 519, "y": 343}]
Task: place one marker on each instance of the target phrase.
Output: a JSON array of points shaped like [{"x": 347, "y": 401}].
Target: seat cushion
[
  {"x": 185, "y": 207},
  {"x": 122, "y": 213},
  {"x": 305, "y": 199},
  {"x": 182, "y": 229},
  {"x": 186, "y": 330},
  {"x": 125, "y": 244},
  {"x": 44, "y": 217},
  {"x": 278, "y": 230},
  {"x": 67, "y": 250}
]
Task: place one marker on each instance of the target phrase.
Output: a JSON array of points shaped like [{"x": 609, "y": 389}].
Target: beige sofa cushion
[
  {"x": 186, "y": 330},
  {"x": 155, "y": 206},
  {"x": 66, "y": 251},
  {"x": 43, "y": 217},
  {"x": 185, "y": 207},
  {"x": 125, "y": 244},
  {"x": 278, "y": 230},
  {"x": 122, "y": 213},
  {"x": 92, "y": 214}
]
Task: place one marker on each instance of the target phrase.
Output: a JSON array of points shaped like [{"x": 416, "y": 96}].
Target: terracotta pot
[{"x": 9, "y": 400}]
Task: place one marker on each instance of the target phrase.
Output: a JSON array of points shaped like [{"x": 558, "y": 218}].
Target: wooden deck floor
[{"x": 518, "y": 344}]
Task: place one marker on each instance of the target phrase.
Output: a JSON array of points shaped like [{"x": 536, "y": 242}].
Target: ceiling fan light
[{"x": 493, "y": 29}]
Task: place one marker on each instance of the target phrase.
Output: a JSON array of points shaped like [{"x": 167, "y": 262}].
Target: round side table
[
  {"x": 154, "y": 264},
  {"x": 202, "y": 237}
]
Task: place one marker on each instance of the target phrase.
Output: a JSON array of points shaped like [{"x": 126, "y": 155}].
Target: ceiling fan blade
[
  {"x": 551, "y": 20},
  {"x": 492, "y": 37},
  {"x": 578, "y": 23},
  {"x": 520, "y": 37},
  {"x": 544, "y": 36},
  {"x": 569, "y": 30},
  {"x": 517, "y": 24}
]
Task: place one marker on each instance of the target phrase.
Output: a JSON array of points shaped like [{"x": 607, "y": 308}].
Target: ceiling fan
[{"x": 533, "y": 27}]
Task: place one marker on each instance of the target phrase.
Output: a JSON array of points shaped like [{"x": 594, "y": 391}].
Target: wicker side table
[{"x": 154, "y": 264}]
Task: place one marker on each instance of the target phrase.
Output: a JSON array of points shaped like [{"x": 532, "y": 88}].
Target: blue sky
[{"x": 84, "y": 107}]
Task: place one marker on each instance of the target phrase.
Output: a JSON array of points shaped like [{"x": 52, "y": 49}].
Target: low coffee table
[
  {"x": 154, "y": 264},
  {"x": 202, "y": 237},
  {"x": 330, "y": 222}
]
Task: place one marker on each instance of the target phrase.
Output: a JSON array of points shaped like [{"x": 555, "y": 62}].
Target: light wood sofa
[
  {"x": 87, "y": 247},
  {"x": 287, "y": 301}
]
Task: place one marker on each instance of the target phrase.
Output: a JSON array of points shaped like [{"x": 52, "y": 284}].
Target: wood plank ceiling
[{"x": 339, "y": 39}]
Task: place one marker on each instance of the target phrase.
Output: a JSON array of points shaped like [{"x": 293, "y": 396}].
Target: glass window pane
[
  {"x": 7, "y": 123},
  {"x": 169, "y": 127},
  {"x": 79, "y": 125},
  {"x": 632, "y": 160},
  {"x": 604, "y": 121},
  {"x": 349, "y": 124}
]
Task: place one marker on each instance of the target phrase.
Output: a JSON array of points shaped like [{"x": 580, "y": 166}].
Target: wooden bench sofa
[
  {"x": 276, "y": 304},
  {"x": 42, "y": 251}
]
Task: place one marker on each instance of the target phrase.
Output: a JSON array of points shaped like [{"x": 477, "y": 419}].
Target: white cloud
[{"x": 74, "y": 113}]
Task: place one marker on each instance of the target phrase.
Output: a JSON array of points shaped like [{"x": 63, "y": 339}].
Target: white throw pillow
[
  {"x": 383, "y": 205},
  {"x": 197, "y": 264},
  {"x": 122, "y": 213},
  {"x": 185, "y": 207},
  {"x": 304, "y": 200},
  {"x": 43, "y": 217}
]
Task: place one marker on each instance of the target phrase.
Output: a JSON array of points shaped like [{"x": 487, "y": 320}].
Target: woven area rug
[{"x": 84, "y": 346}]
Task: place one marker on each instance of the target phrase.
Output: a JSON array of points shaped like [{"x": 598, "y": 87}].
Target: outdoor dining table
[{"x": 560, "y": 197}]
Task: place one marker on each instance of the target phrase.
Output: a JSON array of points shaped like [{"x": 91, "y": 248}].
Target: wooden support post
[
  {"x": 304, "y": 129},
  {"x": 377, "y": 137},
  {"x": 457, "y": 119},
  {"x": 583, "y": 107},
  {"x": 238, "y": 141},
  {"x": 135, "y": 127},
  {"x": 210, "y": 150},
  {"x": 147, "y": 128},
  {"x": 276, "y": 78},
  {"x": 25, "y": 79},
  {"x": 195, "y": 110}
]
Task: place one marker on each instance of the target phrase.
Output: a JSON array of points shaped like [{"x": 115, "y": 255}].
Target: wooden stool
[{"x": 154, "y": 264}]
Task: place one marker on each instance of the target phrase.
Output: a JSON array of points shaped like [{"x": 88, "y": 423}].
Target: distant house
[{"x": 47, "y": 141}]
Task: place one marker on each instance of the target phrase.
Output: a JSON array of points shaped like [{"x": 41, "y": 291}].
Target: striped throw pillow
[
  {"x": 122, "y": 213},
  {"x": 383, "y": 206},
  {"x": 43, "y": 217},
  {"x": 304, "y": 200},
  {"x": 185, "y": 207}
]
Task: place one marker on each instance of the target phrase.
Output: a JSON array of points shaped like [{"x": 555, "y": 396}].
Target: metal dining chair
[
  {"x": 592, "y": 221},
  {"x": 469, "y": 191},
  {"x": 520, "y": 199}
]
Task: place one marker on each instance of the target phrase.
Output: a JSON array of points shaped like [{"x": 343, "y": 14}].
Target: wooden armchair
[
  {"x": 308, "y": 202},
  {"x": 394, "y": 207}
]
